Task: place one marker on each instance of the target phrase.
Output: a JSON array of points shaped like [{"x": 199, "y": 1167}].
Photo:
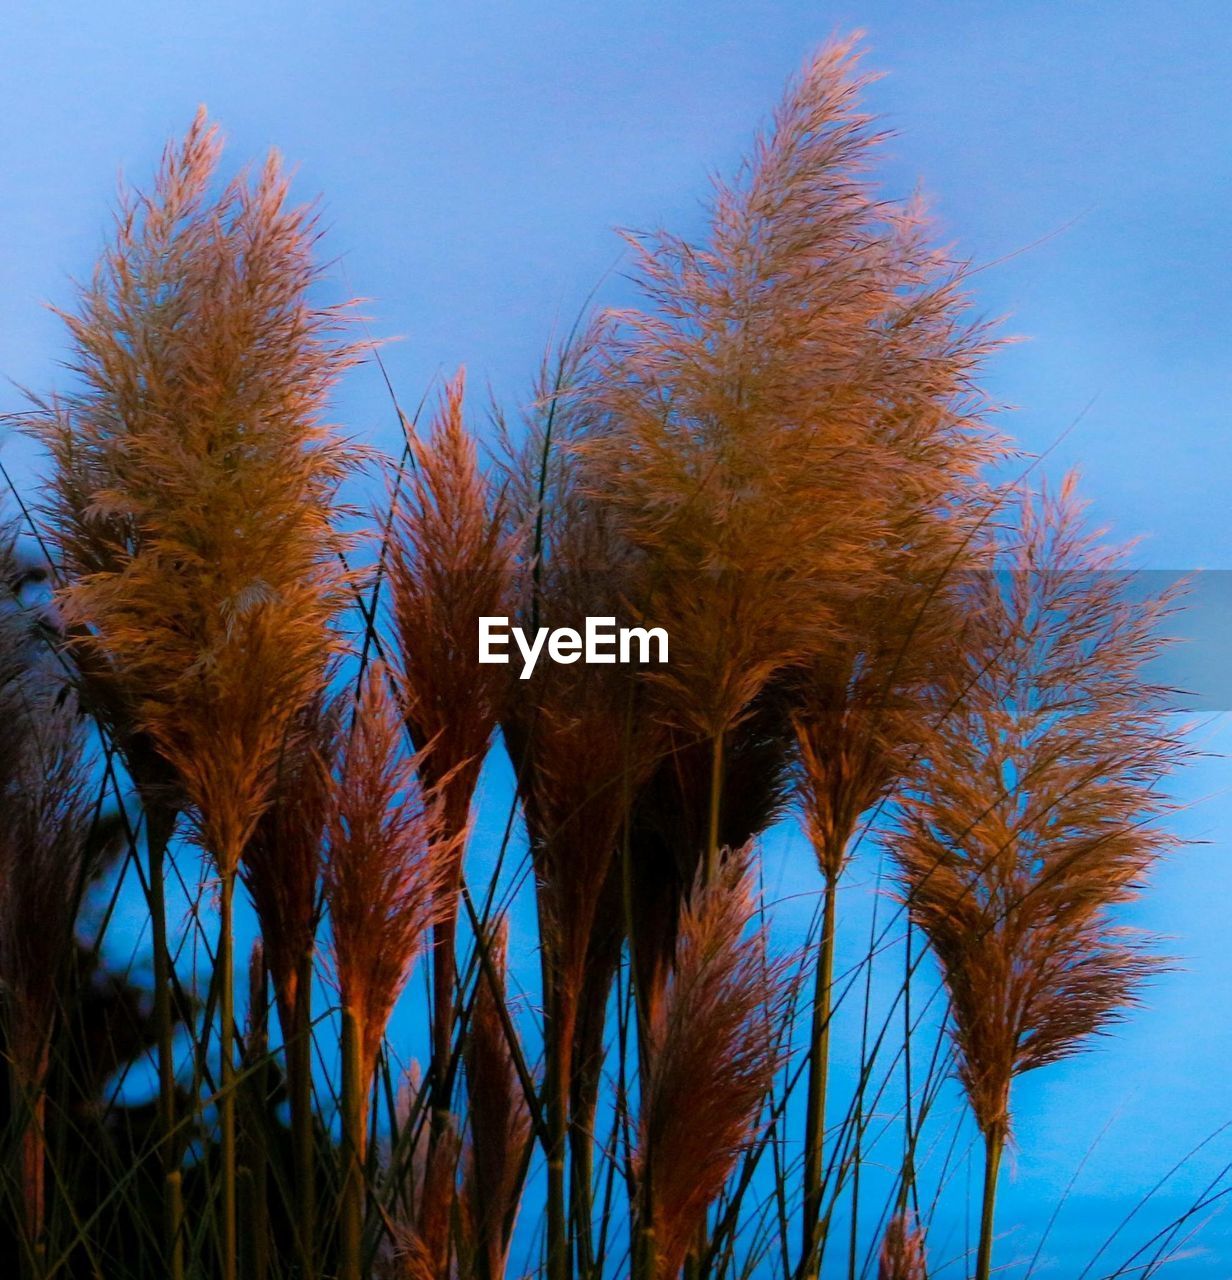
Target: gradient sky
[{"x": 473, "y": 161}]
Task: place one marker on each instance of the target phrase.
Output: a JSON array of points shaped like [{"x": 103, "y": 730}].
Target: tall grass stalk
[
  {"x": 299, "y": 1046},
  {"x": 193, "y": 477},
  {"x": 159, "y": 827},
  {"x": 994, "y": 1144},
  {"x": 354, "y": 1092},
  {"x": 225, "y": 972},
  {"x": 818, "y": 1079}
]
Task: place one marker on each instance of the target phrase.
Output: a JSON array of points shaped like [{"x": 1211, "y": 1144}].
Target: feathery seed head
[
  {"x": 450, "y": 564},
  {"x": 193, "y": 481},
  {"x": 386, "y": 865},
  {"x": 902, "y": 1250},
  {"x": 1036, "y": 812},
  {"x": 711, "y": 1058},
  {"x": 793, "y": 377}
]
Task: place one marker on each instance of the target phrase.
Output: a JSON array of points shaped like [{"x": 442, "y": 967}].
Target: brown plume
[
  {"x": 194, "y": 481},
  {"x": 385, "y": 865},
  {"x": 450, "y": 563},
  {"x": 1036, "y": 810},
  {"x": 902, "y": 1251},
  {"x": 581, "y": 743},
  {"x": 193, "y": 498},
  {"x": 422, "y": 1227},
  {"x": 711, "y": 1059},
  {"x": 863, "y": 706},
  {"x": 758, "y": 420},
  {"x": 499, "y": 1123}
]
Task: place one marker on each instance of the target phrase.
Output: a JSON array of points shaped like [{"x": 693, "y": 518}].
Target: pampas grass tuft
[{"x": 1036, "y": 812}]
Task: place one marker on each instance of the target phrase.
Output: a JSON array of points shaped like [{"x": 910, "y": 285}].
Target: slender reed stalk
[
  {"x": 225, "y": 974},
  {"x": 303, "y": 1124},
  {"x": 669, "y": 826},
  {"x": 354, "y": 1142},
  {"x": 994, "y": 1145},
  {"x": 818, "y": 1077},
  {"x": 859, "y": 706},
  {"x": 861, "y": 713},
  {"x": 87, "y": 541},
  {"x": 256, "y": 1164},
  {"x": 716, "y": 806},
  {"x": 796, "y": 379},
  {"x": 160, "y": 823}
]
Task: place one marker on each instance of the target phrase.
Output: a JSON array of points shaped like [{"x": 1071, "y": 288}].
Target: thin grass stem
[
  {"x": 818, "y": 1080},
  {"x": 226, "y": 1098},
  {"x": 994, "y": 1142},
  {"x": 159, "y": 826},
  {"x": 351, "y": 1209}
]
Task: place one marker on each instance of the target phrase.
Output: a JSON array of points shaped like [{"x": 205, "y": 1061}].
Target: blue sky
[{"x": 473, "y": 161}]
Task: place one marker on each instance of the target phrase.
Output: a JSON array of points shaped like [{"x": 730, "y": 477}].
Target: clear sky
[{"x": 473, "y": 161}]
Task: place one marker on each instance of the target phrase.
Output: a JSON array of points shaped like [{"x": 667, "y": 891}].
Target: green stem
[
  {"x": 299, "y": 1071},
  {"x": 818, "y": 1080},
  {"x": 646, "y": 1264},
  {"x": 29, "y": 1106},
  {"x": 581, "y": 1205},
  {"x": 351, "y": 1208},
  {"x": 226, "y": 1101},
  {"x": 908, "y": 1187},
  {"x": 557, "y": 1116},
  {"x": 159, "y": 825},
  {"x": 443, "y": 941},
  {"x": 256, "y": 1060},
  {"x": 994, "y": 1143}
]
